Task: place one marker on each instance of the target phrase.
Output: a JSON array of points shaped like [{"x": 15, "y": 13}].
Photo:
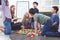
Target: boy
[
  {"x": 39, "y": 19},
  {"x": 47, "y": 21},
  {"x": 35, "y": 4},
  {"x": 52, "y": 30}
]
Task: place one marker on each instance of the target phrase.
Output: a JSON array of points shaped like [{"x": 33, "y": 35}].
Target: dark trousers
[
  {"x": 48, "y": 31},
  {"x": 16, "y": 26}
]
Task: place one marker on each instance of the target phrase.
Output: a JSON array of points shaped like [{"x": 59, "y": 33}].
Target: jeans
[
  {"x": 7, "y": 24},
  {"x": 32, "y": 25},
  {"x": 48, "y": 31}
]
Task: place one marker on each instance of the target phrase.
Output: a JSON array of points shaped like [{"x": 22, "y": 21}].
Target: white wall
[
  {"x": 13, "y": 2},
  {"x": 44, "y": 5}
]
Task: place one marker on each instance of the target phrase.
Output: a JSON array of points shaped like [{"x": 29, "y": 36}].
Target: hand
[{"x": 15, "y": 19}]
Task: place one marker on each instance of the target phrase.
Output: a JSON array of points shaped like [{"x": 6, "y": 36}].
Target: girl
[{"x": 26, "y": 21}]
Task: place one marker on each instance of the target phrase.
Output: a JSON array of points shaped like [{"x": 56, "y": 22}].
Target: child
[
  {"x": 26, "y": 21},
  {"x": 14, "y": 26},
  {"x": 51, "y": 26},
  {"x": 39, "y": 19},
  {"x": 7, "y": 18},
  {"x": 35, "y": 4},
  {"x": 27, "y": 18},
  {"x": 47, "y": 21},
  {"x": 12, "y": 10}
]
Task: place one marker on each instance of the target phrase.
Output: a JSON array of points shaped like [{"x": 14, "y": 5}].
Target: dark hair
[
  {"x": 55, "y": 8},
  {"x": 6, "y": 1},
  {"x": 35, "y": 3},
  {"x": 32, "y": 11},
  {"x": 12, "y": 12}
]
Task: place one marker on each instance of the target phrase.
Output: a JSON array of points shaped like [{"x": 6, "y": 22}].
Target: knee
[{"x": 43, "y": 33}]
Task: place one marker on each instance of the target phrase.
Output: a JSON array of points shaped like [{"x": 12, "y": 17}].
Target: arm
[
  {"x": 36, "y": 23},
  {"x": 35, "y": 26},
  {"x": 15, "y": 18},
  {"x": 55, "y": 23}
]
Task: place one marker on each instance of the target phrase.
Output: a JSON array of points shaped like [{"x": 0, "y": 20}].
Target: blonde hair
[{"x": 26, "y": 15}]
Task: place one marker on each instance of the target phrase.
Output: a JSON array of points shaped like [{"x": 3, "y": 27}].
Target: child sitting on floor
[
  {"x": 27, "y": 19},
  {"x": 51, "y": 26}
]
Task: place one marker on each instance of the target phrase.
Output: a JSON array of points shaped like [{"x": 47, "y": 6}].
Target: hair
[
  {"x": 35, "y": 3},
  {"x": 12, "y": 6},
  {"x": 32, "y": 11},
  {"x": 55, "y": 8},
  {"x": 6, "y": 2},
  {"x": 25, "y": 17},
  {"x": 12, "y": 12}
]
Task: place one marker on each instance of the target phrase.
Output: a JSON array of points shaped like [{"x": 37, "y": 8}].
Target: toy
[
  {"x": 20, "y": 31},
  {"x": 33, "y": 34},
  {"x": 38, "y": 32},
  {"x": 30, "y": 30},
  {"x": 25, "y": 31},
  {"x": 30, "y": 34}
]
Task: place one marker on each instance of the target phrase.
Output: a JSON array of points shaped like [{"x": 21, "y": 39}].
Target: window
[{"x": 22, "y": 7}]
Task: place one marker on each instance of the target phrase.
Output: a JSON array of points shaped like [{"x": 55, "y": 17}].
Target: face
[
  {"x": 13, "y": 8},
  {"x": 34, "y": 5},
  {"x": 30, "y": 16},
  {"x": 27, "y": 16},
  {"x": 53, "y": 11},
  {"x": 7, "y": 4}
]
